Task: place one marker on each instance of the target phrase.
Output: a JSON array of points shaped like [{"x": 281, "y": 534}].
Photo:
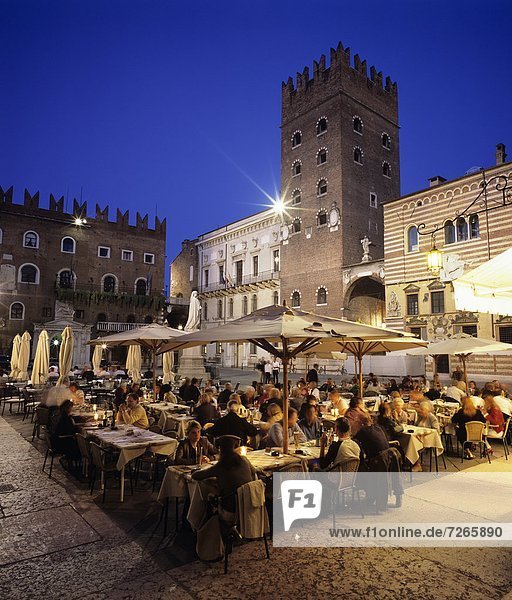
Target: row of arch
[
  {"x": 31, "y": 240},
  {"x": 357, "y": 126},
  {"x": 322, "y": 159},
  {"x": 321, "y": 128},
  {"x": 321, "y": 297},
  {"x": 230, "y": 306},
  {"x": 459, "y": 230}
]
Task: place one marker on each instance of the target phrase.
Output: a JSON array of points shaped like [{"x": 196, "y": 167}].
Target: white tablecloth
[{"x": 414, "y": 439}]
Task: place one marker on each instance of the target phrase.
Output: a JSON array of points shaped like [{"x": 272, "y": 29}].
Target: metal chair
[
  {"x": 41, "y": 420},
  {"x": 11, "y": 396},
  {"x": 29, "y": 404},
  {"x": 475, "y": 435},
  {"x": 503, "y": 436},
  {"x": 51, "y": 451},
  {"x": 99, "y": 463},
  {"x": 347, "y": 472},
  {"x": 83, "y": 446}
]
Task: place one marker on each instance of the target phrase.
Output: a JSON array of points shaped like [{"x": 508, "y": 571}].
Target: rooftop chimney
[
  {"x": 436, "y": 180},
  {"x": 501, "y": 155}
]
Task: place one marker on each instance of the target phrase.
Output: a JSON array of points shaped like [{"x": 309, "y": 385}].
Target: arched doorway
[{"x": 365, "y": 302}]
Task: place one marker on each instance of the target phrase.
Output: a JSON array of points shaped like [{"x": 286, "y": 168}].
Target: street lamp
[
  {"x": 79, "y": 221},
  {"x": 434, "y": 259}
]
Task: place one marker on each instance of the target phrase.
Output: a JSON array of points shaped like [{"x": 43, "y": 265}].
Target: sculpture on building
[
  {"x": 366, "y": 243},
  {"x": 194, "y": 311},
  {"x": 394, "y": 308}
]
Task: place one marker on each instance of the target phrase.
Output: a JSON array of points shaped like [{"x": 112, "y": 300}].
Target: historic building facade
[
  {"x": 236, "y": 271},
  {"x": 109, "y": 274},
  {"x": 339, "y": 162},
  {"x": 470, "y": 224}
]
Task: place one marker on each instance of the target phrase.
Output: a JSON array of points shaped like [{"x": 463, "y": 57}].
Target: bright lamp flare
[
  {"x": 435, "y": 260},
  {"x": 278, "y": 206}
]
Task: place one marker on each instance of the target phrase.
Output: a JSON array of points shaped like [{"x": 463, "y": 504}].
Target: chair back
[
  {"x": 48, "y": 440},
  {"x": 81, "y": 440},
  {"x": 171, "y": 434},
  {"x": 42, "y": 415},
  {"x": 412, "y": 414},
  {"x": 97, "y": 454},
  {"x": 252, "y": 515},
  {"x": 347, "y": 473},
  {"x": 474, "y": 431}
]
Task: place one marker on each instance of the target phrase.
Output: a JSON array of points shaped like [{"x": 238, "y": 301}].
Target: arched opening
[
  {"x": 140, "y": 287},
  {"x": 365, "y": 302}
]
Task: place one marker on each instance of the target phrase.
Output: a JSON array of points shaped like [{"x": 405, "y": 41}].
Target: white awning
[{"x": 488, "y": 288}]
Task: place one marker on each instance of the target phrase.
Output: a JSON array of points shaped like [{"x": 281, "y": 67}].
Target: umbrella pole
[
  {"x": 463, "y": 359},
  {"x": 360, "y": 361},
  {"x": 285, "y": 405},
  {"x": 154, "y": 375}
]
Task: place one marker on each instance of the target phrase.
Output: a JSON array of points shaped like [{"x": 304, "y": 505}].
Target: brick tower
[{"x": 339, "y": 161}]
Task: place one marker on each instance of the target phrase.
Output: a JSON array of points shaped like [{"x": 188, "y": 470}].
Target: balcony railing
[
  {"x": 245, "y": 280},
  {"x": 121, "y": 296},
  {"x": 110, "y": 326}
]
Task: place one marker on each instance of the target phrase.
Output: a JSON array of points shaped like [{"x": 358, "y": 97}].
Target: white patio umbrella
[
  {"x": 487, "y": 288},
  {"x": 41, "y": 360},
  {"x": 15, "y": 356},
  {"x": 168, "y": 364},
  {"x": 285, "y": 333},
  {"x": 66, "y": 353},
  {"x": 153, "y": 337},
  {"x": 463, "y": 346},
  {"x": 134, "y": 362},
  {"x": 97, "y": 355},
  {"x": 360, "y": 348},
  {"x": 23, "y": 357}
]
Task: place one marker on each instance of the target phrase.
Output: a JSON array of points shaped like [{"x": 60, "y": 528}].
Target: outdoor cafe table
[
  {"x": 131, "y": 446},
  {"x": 86, "y": 413},
  {"x": 178, "y": 422},
  {"x": 414, "y": 439}
]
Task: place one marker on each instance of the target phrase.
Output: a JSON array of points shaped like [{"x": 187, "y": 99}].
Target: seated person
[
  {"x": 337, "y": 401},
  {"x": 392, "y": 386},
  {"x": 309, "y": 401},
  {"x": 249, "y": 396},
  {"x": 57, "y": 394},
  {"x": 232, "y": 424},
  {"x": 132, "y": 413},
  {"x": 223, "y": 397},
  {"x": 188, "y": 448},
  {"x": 313, "y": 390},
  {"x": 274, "y": 397},
  {"x": 296, "y": 398},
  {"x": 373, "y": 386},
  {"x": 274, "y": 414},
  {"x": 425, "y": 417},
  {"x": 328, "y": 386},
  {"x": 120, "y": 394},
  {"x": 398, "y": 413},
  {"x": 503, "y": 403},
  {"x": 205, "y": 412},
  {"x": 231, "y": 472},
  {"x": 65, "y": 426},
  {"x": 275, "y": 434},
  {"x": 456, "y": 391},
  {"x": 135, "y": 389},
  {"x": 371, "y": 438},
  {"x": 341, "y": 451},
  {"x": 77, "y": 396},
  {"x": 386, "y": 422},
  {"x": 467, "y": 413},
  {"x": 356, "y": 414},
  {"x": 310, "y": 424},
  {"x": 493, "y": 416}
]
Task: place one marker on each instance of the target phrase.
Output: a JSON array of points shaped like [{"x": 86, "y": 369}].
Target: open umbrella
[
  {"x": 66, "y": 353},
  {"x": 463, "y": 346},
  {"x": 97, "y": 355},
  {"x": 23, "y": 357},
  {"x": 134, "y": 363},
  {"x": 41, "y": 360},
  {"x": 153, "y": 337},
  {"x": 360, "y": 348},
  {"x": 168, "y": 364},
  {"x": 283, "y": 332},
  {"x": 15, "y": 355}
]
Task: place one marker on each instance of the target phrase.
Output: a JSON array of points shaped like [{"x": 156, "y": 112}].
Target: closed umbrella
[
  {"x": 286, "y": 333},
  {"x": 41, "y": 360},
  {"x": 66, "y": 353},
  {"x": 23, "y": 357},
  {"x": 14, "y": 356},
  {"x": 134, "y": 363},
  {"x": 96, "y": 358},
  {"x": 168, "y": 364}
]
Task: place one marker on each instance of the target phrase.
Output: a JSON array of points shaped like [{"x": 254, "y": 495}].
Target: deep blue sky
[{"x": 143, "y": 103}]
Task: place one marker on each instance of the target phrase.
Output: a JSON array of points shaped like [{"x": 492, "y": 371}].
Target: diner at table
[
  {"x": 468, "y": 412},
  {"x": 132, "y": 413},
  {"x": 311, "y": 424},
  {"x": 233, "y": 424},
  {"x": 357, "y": 414},
  {"x": 425, "y": 416},
  {"x": 340, "y": 450},
  {"x": 275, "y": 434},
  {"x": 194, "y": 449},
  {"x": 205, "y": 412}
]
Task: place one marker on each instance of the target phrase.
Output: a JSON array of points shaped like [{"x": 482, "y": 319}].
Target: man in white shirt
[
  {"x": 313, "y": 390},
  {"x": 504, "y": 404},
  {"x": 456, "y": 391},
  {"x": 268, "y": 371},
  {"x": 275, "y": 371}
]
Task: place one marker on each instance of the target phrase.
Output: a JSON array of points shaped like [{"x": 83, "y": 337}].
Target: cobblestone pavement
[{"x": 57, "y": 541}]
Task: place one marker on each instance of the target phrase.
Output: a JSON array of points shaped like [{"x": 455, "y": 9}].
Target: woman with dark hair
[
  {"x": 340, "y": 451},
  {"x": 63, "y": 434},
  {"x": 356, "y": 414},
  {"x": 386, "y": 422},
  {"x": 371, "y": 438},
  {"x": 231, "y": 472},
  {"x": 392, "y": 386}
]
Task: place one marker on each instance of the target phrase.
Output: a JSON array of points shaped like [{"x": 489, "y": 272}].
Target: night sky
[{"x": 174, "y": 106}]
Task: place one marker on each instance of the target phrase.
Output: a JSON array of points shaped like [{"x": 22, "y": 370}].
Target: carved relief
[{"x": 394, "y": 308}]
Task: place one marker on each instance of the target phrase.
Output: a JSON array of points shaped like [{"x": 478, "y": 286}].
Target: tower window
[
  {"x": 296, "y": 168},
  {"x": 103, "y": 251},
  {"x": 29, "y": 274},
  {"x": 357, "y": 125},
  {"x": 30, "y": 240},
  {"x": 140, "y": 287},
  {"x": 321, "y": 157},
  {"x": 386, "y": 141},
  {"x": 67, "y": 245},
  {"x": 373, "y": 199},
  {"x": 321, "y": 188},
  {"x": 296, "y": 139},
  {"x": 321, "y": 126},
  {"x": 296, "y": 226},
  {"x": 321, "y": 218},
  {"x": 321, "y": 296},
  {"x": 66, "y": 279},
  {"x": 296, "y": 197},
  {"x": 109, "y": 284},
  {"x": 358, "y": 155},
  {"x": 295, "y": 299},
  {"x": 17, "y": 311},
  {"x": 386, "y": 169}
]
